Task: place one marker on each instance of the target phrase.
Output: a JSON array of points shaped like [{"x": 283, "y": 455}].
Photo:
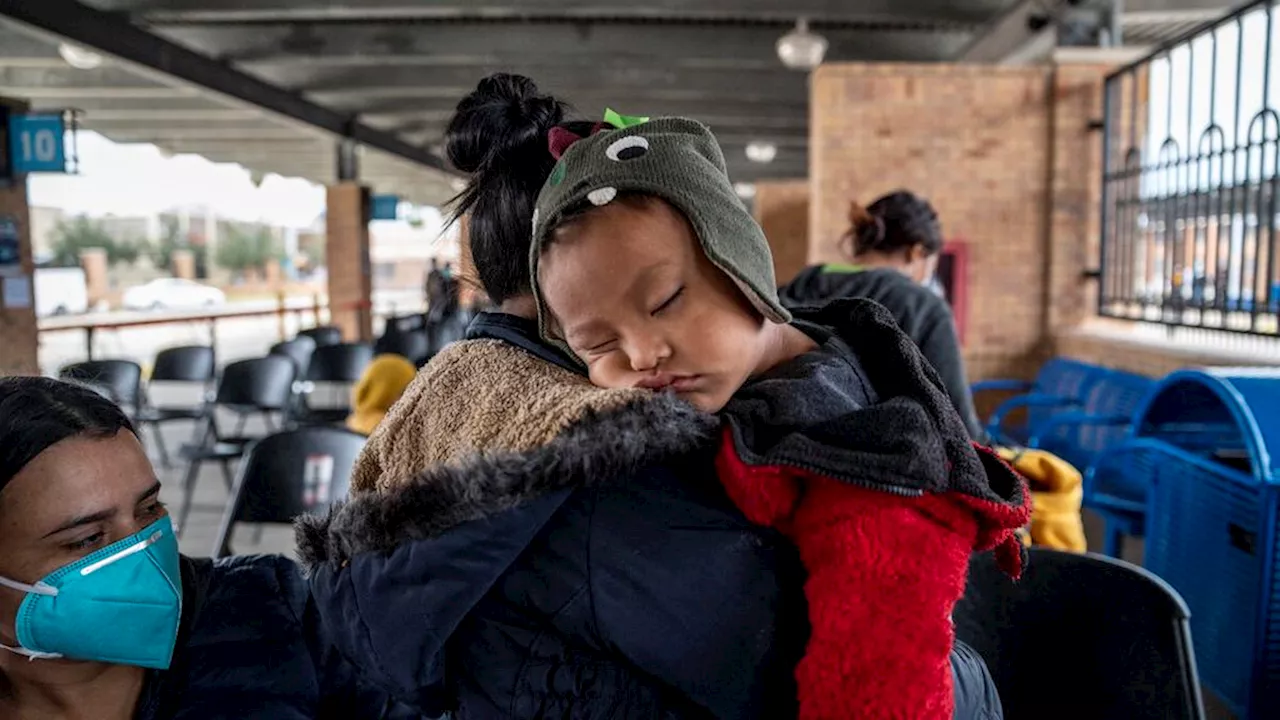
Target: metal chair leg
[
  {"x": 188, "y": 495},
  {"x": 165, "y": 461},
  {"x": 228, "y": 477}
]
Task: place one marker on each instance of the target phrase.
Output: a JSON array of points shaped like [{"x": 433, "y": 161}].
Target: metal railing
[{"x": 1190, "y": 183}]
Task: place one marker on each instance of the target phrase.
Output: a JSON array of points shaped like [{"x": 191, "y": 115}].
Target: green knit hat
[{"x": 677, "y": 160}]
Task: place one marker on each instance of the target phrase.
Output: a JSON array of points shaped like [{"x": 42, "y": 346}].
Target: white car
[{"x": 172, "y": 294}]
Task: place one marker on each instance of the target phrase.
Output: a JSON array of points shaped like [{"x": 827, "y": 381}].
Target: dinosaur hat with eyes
[{"x": 677, "y": 160}]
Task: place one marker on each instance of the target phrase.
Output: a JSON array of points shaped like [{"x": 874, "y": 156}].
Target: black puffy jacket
[
  {"x": 600, "y": 574},
  {"x": 250, "y": 647}
]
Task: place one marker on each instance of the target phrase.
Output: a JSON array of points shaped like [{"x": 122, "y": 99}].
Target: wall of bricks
[
  {"x": 347, "y": 254},
  {"x": 19, "y": 341},
  {"x": 1008, "y": 157},
  {"x": 782, "y": 209},
  {"x": 973, "y": 139}
]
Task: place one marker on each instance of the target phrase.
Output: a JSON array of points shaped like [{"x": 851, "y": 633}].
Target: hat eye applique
[{"x": 628, "y": 148}]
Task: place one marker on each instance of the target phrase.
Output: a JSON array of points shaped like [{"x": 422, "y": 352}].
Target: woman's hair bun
[
  {"x": 867, "y": 230},
  {"x": 505, "y": 117}
]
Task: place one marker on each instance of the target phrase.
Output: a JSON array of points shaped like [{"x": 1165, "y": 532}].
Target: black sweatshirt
[{"x": 922, "y": 315}]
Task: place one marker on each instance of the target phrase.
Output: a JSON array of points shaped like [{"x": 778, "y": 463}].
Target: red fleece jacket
[
  {"x": 885, "y": 572},
  {"x": 856, "y": 454}
]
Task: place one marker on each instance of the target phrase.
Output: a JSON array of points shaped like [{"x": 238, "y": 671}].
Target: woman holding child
[{"x": 734, "y": 514}]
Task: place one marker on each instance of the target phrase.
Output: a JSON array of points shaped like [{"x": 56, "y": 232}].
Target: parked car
[
  {"x": 172, "y": 294},
  {"x": 60, "y": 291}
]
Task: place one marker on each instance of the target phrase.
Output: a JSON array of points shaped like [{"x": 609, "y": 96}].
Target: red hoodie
[{"x": 855, "y": 453}]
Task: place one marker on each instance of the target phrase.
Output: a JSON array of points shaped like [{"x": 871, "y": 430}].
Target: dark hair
[
  {"x": 896, "y": 222},
  {"x": 499, "y": 136},
  {"x": 38, "y": 412}
]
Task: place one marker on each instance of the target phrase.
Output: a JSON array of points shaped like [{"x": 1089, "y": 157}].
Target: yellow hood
[{"x": 382, "y": 384}]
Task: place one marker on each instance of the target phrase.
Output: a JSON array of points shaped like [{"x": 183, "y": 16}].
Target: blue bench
[
  {"x": 1202, "y": 452},
  {"x": 1061, "y": 385}
]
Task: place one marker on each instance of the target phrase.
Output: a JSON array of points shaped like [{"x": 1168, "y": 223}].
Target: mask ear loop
[{"x": 40, "y": 588}]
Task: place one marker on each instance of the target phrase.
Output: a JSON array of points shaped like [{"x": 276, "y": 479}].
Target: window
[{"x": 1191, "y": 192}]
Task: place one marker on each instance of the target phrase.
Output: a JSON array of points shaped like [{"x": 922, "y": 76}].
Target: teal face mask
[{"x": 119, "y": 605}]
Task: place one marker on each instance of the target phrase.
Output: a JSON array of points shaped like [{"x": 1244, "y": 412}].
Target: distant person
[
  {"x": 101, "y": 617},
  {"x": 381, "y": 385},
  {"x": 434, "y": 286},
  {"x": 894, "y": 246}
]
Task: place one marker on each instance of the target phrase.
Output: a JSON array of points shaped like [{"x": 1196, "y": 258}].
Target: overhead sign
[
  {"x": 384, "y": 207},
  {"x": 37, "y": 143}
]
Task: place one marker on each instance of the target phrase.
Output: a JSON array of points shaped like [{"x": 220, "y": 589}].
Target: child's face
[{"x": 636, "y": 299}]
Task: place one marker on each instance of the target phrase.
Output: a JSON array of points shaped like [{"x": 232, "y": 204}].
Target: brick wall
[
  {"x": 347, "y": 256},
  {"x": 782, "y": 209},
  {"x": 974, "y": 140},
  {"x": 18, "y": 337}
]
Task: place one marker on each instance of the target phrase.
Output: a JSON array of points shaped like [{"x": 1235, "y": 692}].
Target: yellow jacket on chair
[{"x": 1057, "y": 490}]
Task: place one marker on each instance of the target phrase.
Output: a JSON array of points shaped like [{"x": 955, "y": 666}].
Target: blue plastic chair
[
  {"x": 1203, "y": 450},
  {"x": 1061, "y": 385},
  {"x": 1081, "y": 437}
]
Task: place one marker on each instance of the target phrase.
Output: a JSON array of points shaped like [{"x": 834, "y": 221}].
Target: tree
[
  {"x": 241, "y": 249},
  {"x": 171, "y": 239},
  {"x": 128, "y": 250},
  {"x": 74, "y": 236}
]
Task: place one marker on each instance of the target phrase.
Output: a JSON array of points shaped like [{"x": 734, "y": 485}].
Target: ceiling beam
[
  {"x": 115, "y": 36},
  {"x": 364, "y": 44},
  {"x": 625, "y": 84},
  {"x": 777, "y": 11}
]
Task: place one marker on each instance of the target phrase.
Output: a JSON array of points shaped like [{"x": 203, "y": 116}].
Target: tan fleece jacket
[{"x": 477, "y": 396}]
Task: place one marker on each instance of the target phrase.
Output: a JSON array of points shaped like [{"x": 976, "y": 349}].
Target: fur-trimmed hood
[{"x": 600, "y": 445}]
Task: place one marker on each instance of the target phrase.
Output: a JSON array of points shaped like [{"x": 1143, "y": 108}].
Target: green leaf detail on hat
[
  {"x": 557, "y": 174},
  {"x": 621, "y": 121}
]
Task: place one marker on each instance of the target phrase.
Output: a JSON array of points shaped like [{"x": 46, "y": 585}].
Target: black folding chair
[
  {"x": 299, "y": 350},
  {"x": 323, "y": 335},
  {"x": 288, "y": 474},
  {"x": 334, "y": 365},
  {"x": 262, "y": 386},
  {"x": 118, "y": 380},
  {"x": 412, "y": 345},
  {"x": 192, "y": 365},
  {"x": 1082, "y": 636}
]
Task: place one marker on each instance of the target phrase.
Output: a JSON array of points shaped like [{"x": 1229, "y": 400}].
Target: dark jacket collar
[
  {"x": 521, "y": 332},
  {"x": 870, "y": 411}
]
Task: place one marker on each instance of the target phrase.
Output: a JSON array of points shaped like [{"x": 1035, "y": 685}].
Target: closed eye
[
  {"x": 666, "y": 304},
  {"x": 600, "y": 348}
]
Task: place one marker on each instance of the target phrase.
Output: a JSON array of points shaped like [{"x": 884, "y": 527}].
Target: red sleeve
[{"x": 885, "y": 572}]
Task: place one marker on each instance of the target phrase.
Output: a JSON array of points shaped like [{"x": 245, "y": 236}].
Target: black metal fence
[{"x": 1191, "y": 191}]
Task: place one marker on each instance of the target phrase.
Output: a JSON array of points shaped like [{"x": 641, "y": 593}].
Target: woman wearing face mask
[
  {"x": 102, "y": 619},
  {"x": 895, "y": 244}
]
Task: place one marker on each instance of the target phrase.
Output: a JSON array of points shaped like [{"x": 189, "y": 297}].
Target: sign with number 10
[{"x": 36, "y": 143}]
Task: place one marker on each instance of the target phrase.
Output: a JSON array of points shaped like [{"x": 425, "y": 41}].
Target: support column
[
  {"x": 782, "y": 209},
  {"x": 347, "y": 256},
  {"x": 19, "y": 340}
]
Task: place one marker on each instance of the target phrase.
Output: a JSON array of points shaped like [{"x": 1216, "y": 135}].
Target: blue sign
[
  {"x": 384, "y": 207},
  {"x": 36, "y": 144}
]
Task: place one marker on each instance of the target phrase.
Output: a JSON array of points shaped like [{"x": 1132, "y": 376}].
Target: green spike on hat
[{"x": 675, "y": 159}]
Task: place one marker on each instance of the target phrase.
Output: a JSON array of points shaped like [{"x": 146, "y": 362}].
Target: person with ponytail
[
  {"x": 521, "y": 543},
  {"x": 893, "y": 245}
]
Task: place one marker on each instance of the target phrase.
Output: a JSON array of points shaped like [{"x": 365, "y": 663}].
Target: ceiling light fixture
[
  {"x": 458, "y": 184},
  {"x": 802, "y": 49},
  {"x": 78, "y": 57},
  {"x": 761, "y": 152},
  {"x": 746, "y": 191}
]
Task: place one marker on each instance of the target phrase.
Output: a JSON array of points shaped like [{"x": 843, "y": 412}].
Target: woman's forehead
[{"x": 74, "y": 477}]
